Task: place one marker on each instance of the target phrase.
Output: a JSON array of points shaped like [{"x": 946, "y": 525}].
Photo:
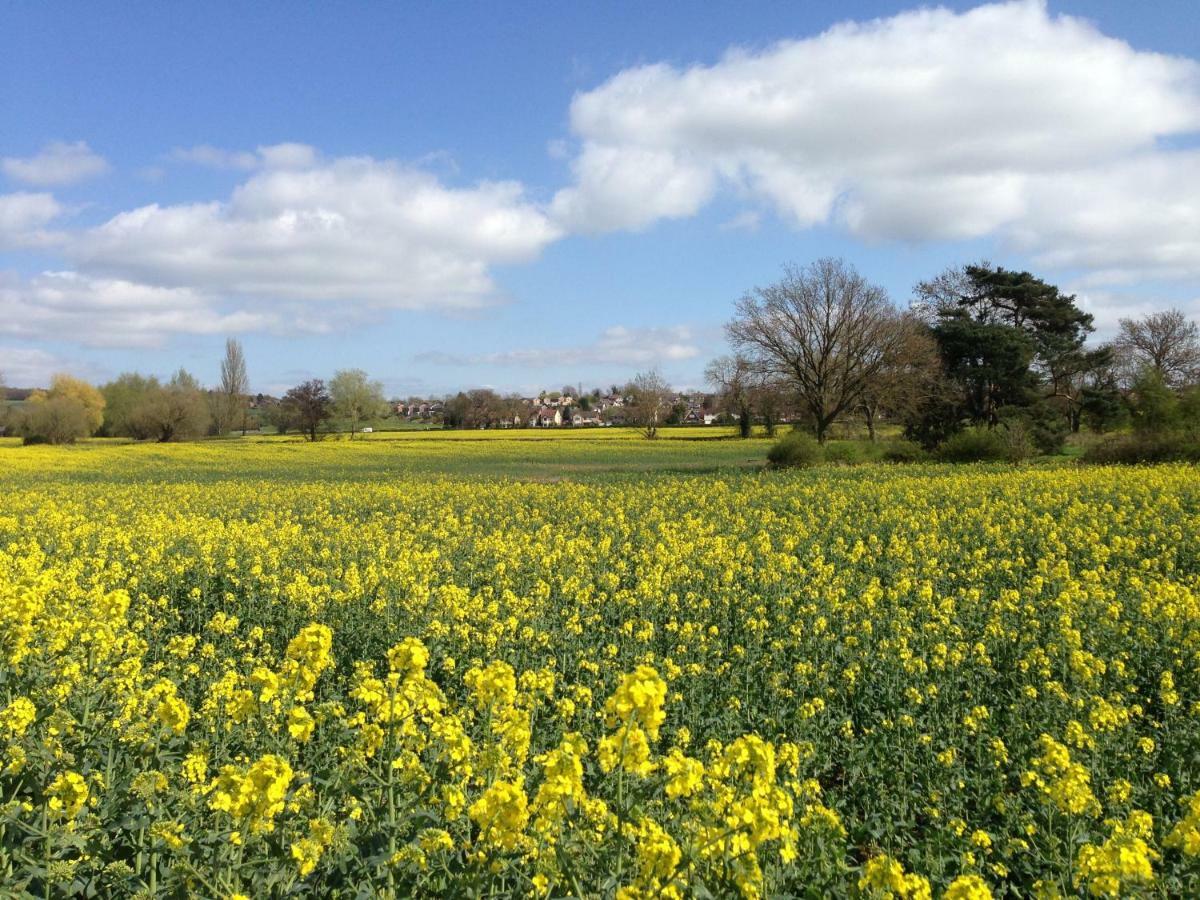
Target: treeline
[
  {"x": 981, "y": 354},
  {"x": 144, "y": 408}
]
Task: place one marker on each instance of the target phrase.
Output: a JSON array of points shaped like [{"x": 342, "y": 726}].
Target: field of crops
[{"x": 592, "y": 667}]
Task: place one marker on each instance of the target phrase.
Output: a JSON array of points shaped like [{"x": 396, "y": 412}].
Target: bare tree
[
  {"x": 908, "y": 376},
  {"x": 823, "y": 329},
  {"x": 650, "y": 402},
  {"x": 230, "y": 405},
  {"x": 733, "y": 378},
  {"x": 1167, "y": 342}
]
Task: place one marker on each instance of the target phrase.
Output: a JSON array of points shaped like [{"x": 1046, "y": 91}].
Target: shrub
[
  {"x": 1145, "y": 448},
  {"x": 901, "y": 451},
  {"x": 976, "y": 445},
  {"x": 59, "y": 420},
  {"x": 847, "y": 453},
  {"x": 795, "y": 450}
]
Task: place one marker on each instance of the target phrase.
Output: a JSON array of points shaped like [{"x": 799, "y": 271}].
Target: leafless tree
[
  {"x": 229, "y": 405},
  {"x": 908, "y": 376},
  {"x": 733, "y": 378},
  {"x": 1167, "y": 342},
  {"x": 651, "y": 402},
  {"x": 823, "y": 329}
]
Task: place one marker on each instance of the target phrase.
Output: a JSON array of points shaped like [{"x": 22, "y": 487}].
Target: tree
[
  {"x": 176, "y": 411},
  {"x": 309, "y": 406},
  {"x": 70, "y": 410},
  {"x": 908, "y": 378},
  {"x": 59, "y": 420},
  {"x": 123, "y": 396},
  {"x": 1004, "y": 335},
  {"x": 651, "y": 402},
  {"x": 1079, "y": 379},
  {"x": 733, "y": 379},
  {"x": 65, "y": 387},
  {"x": 279, "y": 415},
  {"x": 230, "y": 400},
  {"x": 822, "y": 329},
  {"x": 1166, "y": 341},
  {"x": 356, "y": 398},
  {"x": 1155, "y": 406}
]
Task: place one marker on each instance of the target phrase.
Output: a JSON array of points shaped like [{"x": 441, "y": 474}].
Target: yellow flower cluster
[{"x": 308, "y": 670}]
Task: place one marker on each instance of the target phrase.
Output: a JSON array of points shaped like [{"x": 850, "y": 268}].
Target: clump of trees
[
  {"x": 980, "y": 350},
  {"x": 71, "y": 409},
  {"x": 145, "y": 409},
  {"x": 482, "y": 408}
]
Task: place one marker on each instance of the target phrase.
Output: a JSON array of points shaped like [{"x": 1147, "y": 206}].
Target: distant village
[{"x": 557, "y": 409}]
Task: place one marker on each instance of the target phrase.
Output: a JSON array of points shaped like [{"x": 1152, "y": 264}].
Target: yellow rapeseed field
[{"x": 269, "y": 670}]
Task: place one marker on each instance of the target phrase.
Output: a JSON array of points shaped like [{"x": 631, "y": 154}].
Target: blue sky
[{"x": 529, "y": 195}]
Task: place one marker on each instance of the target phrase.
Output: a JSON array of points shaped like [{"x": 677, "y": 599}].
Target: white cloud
[
  {"x": 357, "y": 230},
  {"x": 110, "y": 312},
  {"x": 276, "y": 156},
  {"x": 27, "y": 367},
  {"x": 928, "y": 125},
  {"x": 57, "y": 163},
  {"x": 23, "y": 220},
  {"x": 215, "y": 157},
  {"x": 616, "y": 346}
]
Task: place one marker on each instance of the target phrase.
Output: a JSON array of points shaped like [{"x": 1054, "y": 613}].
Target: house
[
  {"x": 585, "y": 417},
  {"x": 545, "y": 417}
]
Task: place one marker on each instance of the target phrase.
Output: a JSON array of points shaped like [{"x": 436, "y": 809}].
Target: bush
[
  {"x": 59, "y": 420},
  {"x": 901, "y": 451},
  {"x": 1145, "y": 448},
  {"x": 847, "y": 453},
  {"x": 976, "y": 445},
  {"x": 795, "y": 450}
]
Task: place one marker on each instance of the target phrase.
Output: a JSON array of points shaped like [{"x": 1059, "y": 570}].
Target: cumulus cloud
[
  {"x": 23, "y": 220},
  {"x": 351, "y": 229},
  {"x": 111, "y": 312},
  {"x": 925, "y": 126},
  {"x": 58, "y": 163},
  {"x": 617, "y": 346}
]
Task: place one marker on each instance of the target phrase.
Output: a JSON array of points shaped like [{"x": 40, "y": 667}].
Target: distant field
[
  {"x": 523, "y": 454},
  {"x": 579, "y": 663}
]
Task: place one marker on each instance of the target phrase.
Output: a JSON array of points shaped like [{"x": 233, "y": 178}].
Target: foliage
[
  {"x": 796, "y": 449},
  {"x": 976, "y": 445},
  {"x": 355, "y": 398},
  {"x": 53, "y": 420},
  {"x": 1145, "y": 448},
  {"x": 124, "y": 398},
  {"x": 275, "y": 669},
  {"x": 1155, "y": 407},
  {"x": 176, "y": 411},
  {"x": 845, "y": 452},
  {"x": 902, "y": 451},
  {"x": 308, "y": 406},
  {"x": 70, "y": 410}
]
